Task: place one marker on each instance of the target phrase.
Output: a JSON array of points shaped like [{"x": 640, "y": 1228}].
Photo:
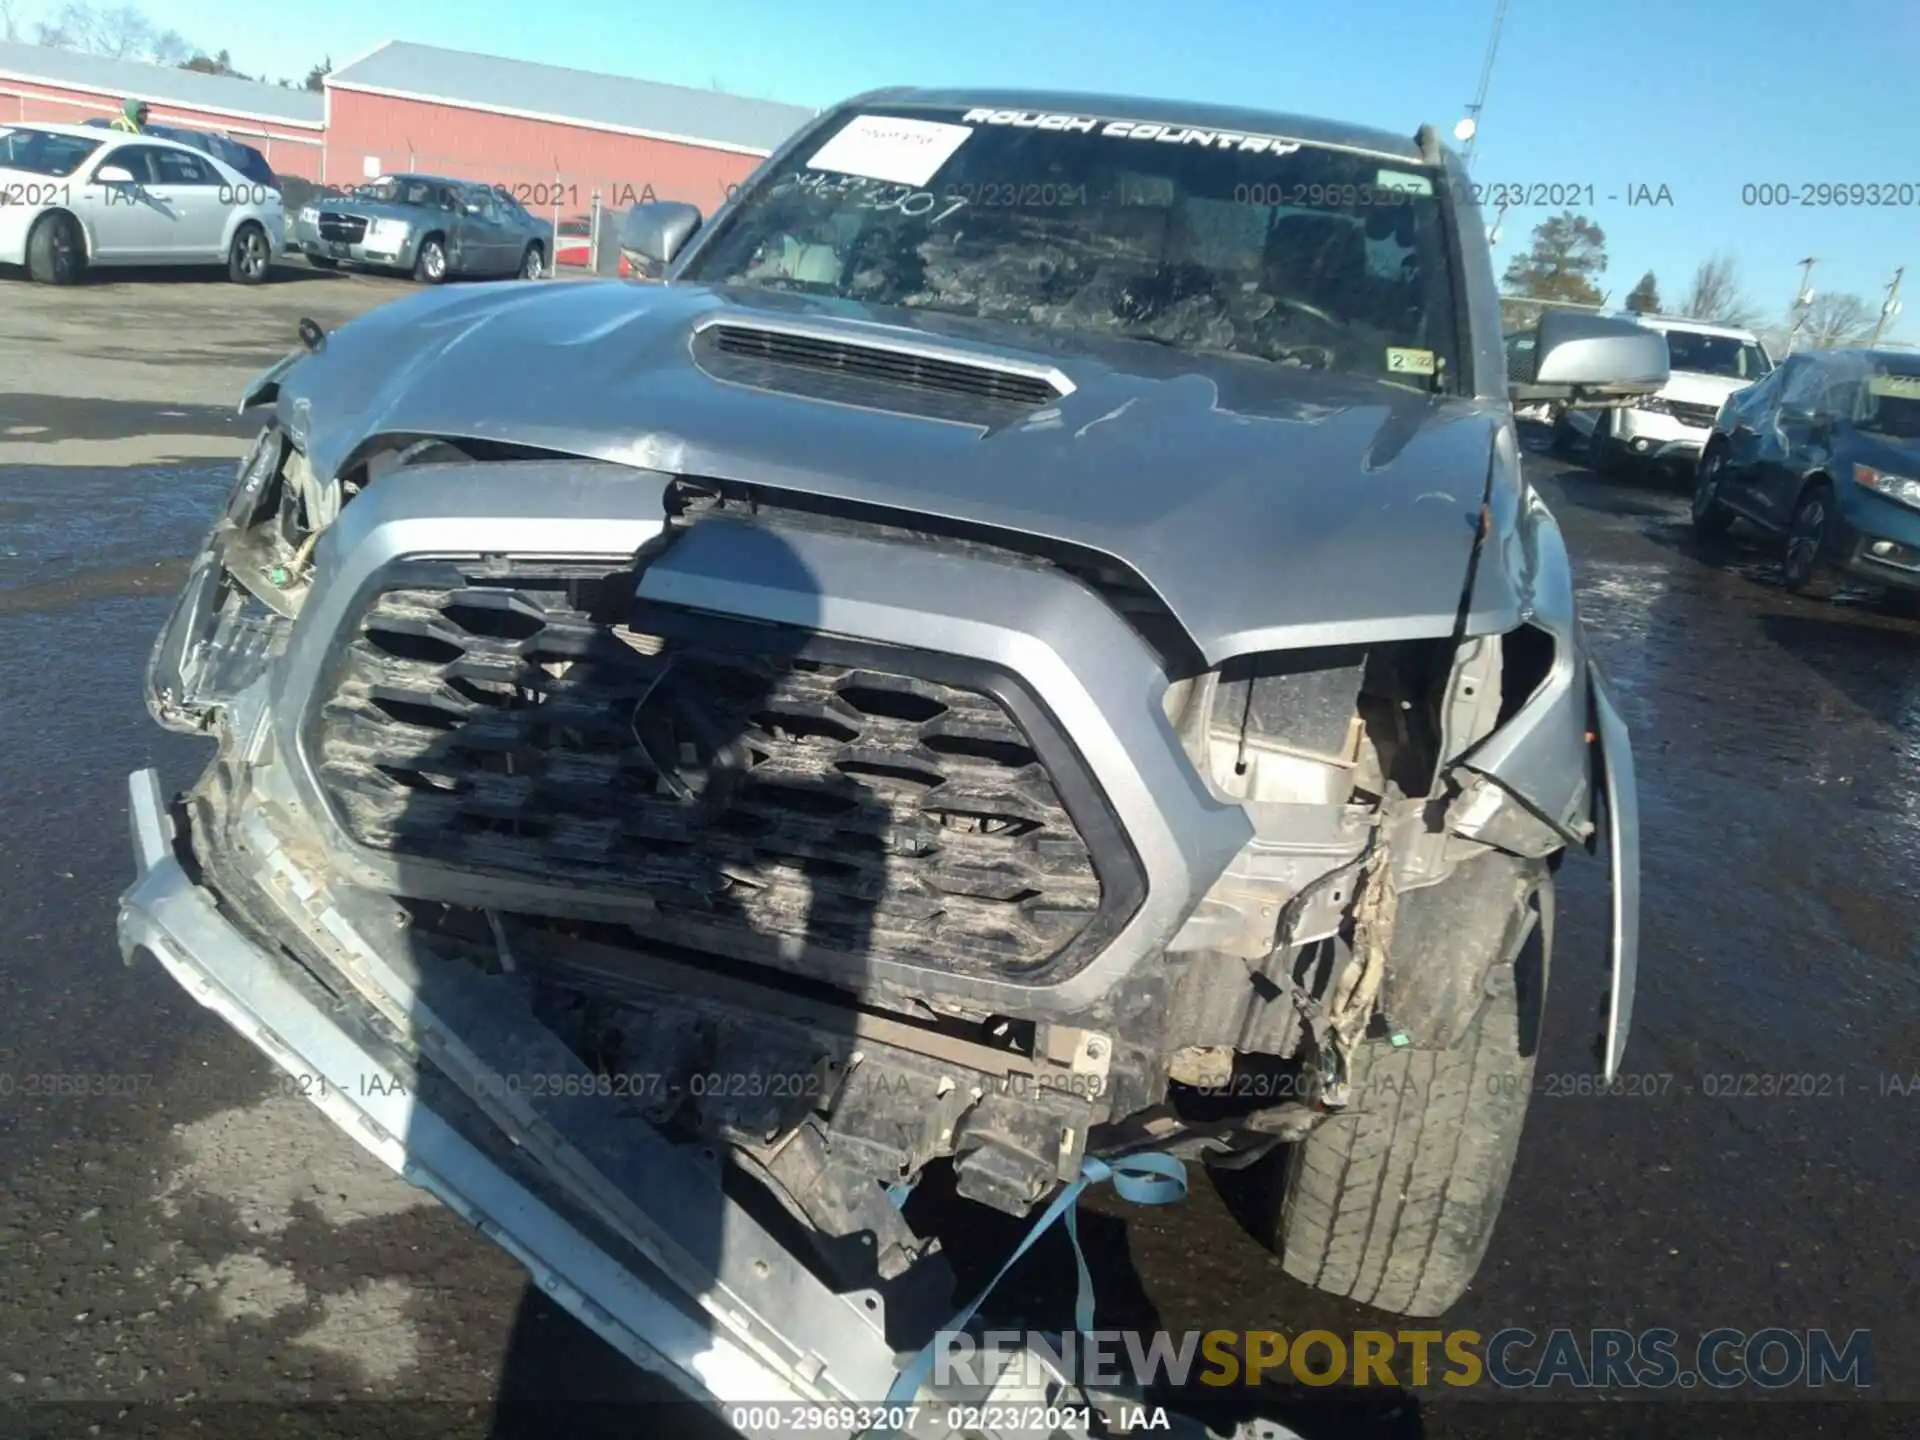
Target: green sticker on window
[{"x": 1404, "y": 181}]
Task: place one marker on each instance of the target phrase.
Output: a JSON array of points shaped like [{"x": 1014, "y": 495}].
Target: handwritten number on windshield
[
  {"x": 904, "y": 198},
  {"x": 909, "y": 202}
]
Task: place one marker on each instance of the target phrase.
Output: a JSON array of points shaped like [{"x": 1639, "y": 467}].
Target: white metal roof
[
  {"x": 572, "y": 97},
  {"x": 160, "y": 84}
]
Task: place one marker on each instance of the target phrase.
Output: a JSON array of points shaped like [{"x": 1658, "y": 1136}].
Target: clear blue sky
[{"x": 1701, "y": 96}]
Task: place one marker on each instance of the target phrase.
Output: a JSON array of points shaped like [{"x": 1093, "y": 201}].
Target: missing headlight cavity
[
  {"x": 1279, "y": 728},
  {"x": 1526, "y": 659},
  {"x": 1299, "y": 700}
]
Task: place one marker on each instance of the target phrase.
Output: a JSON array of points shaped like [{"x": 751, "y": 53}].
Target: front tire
[
  {"x": 1809, "y": 544},
  {"x": 249, "y": 257},
  {"x": 1563, "y": 438},
  {"x": 56, "y": 250},
  {"x": 430, "y": 265},
  {"x": 1393, "y": 1202},
  {"x": 533, "y": 264}
]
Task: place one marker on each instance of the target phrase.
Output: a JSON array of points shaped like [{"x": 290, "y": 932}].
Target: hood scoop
[{"x": 763, "y": 350}]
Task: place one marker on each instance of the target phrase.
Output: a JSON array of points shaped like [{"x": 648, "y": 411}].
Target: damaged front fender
[
  {"x": 1562, "y": 763},
  {"x": 1622, "y": 829}
]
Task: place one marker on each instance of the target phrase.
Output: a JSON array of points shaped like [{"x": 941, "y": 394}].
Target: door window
[
  {"x": 180, "y": 167},
  {"x": 136, "y": 160}
]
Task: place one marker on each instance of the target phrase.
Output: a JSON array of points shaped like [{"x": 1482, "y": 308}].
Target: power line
[{"x": 1486, "y": 77}]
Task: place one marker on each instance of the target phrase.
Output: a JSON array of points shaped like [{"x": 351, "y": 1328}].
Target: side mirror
[
  {"x": 654, "y": 233},
  {"x": 113, "y": 175},
  {"x": 1591, "y": 358},
  {"x": 471, "y": 207}
]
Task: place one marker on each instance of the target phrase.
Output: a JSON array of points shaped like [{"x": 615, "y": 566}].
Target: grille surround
[
  {"x": 1029, "y": 903},
  {"x": 1693, "y": 414}
]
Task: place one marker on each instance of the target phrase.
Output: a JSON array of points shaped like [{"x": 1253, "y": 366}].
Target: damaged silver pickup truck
[{"x": 1030, "y": 645}]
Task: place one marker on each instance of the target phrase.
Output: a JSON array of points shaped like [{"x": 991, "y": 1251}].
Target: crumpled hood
[
  {"x": 1694, "y": 388},
  {"x": 1268, "y": 506}
]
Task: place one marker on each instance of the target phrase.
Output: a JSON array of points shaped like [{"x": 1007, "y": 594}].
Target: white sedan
[{"x": 73, "y": 196}]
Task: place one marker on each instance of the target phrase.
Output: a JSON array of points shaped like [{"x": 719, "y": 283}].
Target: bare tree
[
  {"x": 1837, "y": 319},
  {"x": 9, "y": 20},
  {"x": 1716, "y": 294},
  {"x": 122, "y": 32}
]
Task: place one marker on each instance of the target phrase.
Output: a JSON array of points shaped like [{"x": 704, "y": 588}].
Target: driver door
[
  {"x": 483, "y": 234},
  {"x": 132, "y": 223}
]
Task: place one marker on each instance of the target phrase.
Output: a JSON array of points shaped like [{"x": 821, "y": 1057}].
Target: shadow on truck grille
[{"x": 749, "y": 781}]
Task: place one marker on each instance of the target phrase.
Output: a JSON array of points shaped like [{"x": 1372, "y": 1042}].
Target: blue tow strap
[{"x": 1139, "y": 1179}]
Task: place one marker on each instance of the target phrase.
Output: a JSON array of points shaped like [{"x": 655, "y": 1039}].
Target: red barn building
[
  {"x": 553, "y": 136},
  {"x": 38, "y": 82}
]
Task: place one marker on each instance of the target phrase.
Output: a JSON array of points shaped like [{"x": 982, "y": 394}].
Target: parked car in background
[
  {"x": 430, "y": 225},
  {"x": 228, "y": 151},
  {"x": 1824, "y": 454},
  {"x": 74, "y": 196},
  {"x": 1707, "y": 363}
]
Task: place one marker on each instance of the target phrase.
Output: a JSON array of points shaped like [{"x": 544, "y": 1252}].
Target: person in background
[{"x": 132, "y": 117}]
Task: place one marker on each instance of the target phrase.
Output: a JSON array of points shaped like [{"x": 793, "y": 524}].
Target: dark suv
[{"x": 1825, "y": 454}]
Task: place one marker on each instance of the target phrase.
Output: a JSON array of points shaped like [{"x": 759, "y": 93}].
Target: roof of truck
[
  {"x": 1171, "y": 112},
  {"x": 1688, "y": 323}
]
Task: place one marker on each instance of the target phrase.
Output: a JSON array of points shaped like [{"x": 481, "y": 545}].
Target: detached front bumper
[
  {"x": 838, "y": 1386},
  {"x": 268, "y": 999}
]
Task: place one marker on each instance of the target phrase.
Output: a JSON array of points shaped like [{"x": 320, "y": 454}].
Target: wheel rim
[
  {"x": 62, "y": 245},
  {"x": 531, "y": 269},
  {"x": 1706, "y": 490},
  {"x": 253, "y": 253},
  {"x": 435, "y": 260},
  {"x": 1803, "y": 543}
]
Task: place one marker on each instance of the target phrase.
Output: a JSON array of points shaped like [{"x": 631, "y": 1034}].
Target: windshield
[
  {"x": 406, "y": 190},
  {"x": 1201, "y": 240},
  {"x": 1892, "y": 407},
  {"x": 1716, "y": 355},
  {"x": 41, "y": 152}
]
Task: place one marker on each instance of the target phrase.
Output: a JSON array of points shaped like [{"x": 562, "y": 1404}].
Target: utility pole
[
  {"x": 1802, "y": 298},
  {"x": 1468, "y": 129},
  {"x": 1889, "y": 307}
]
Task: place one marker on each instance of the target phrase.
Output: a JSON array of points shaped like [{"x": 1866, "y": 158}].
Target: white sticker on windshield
[
  {"x": 1403, "y": 181},
  {"x": 1905, "y": 386},
  {"x": 1404, "y": 361},
  {"x": 880, "y": 147}
]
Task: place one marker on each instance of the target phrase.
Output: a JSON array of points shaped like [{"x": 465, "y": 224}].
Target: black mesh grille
[
  {"x": 868, "y": 362},
  {"x": 345, "y": 229},
  {"x": 511, "y": 728},
  {"x": 1699, "y": 416}
]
